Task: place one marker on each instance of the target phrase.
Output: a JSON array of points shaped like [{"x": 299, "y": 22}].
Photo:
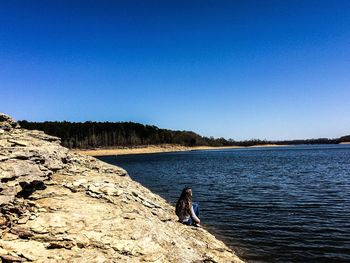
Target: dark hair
[{"x": 184, "y": 204}]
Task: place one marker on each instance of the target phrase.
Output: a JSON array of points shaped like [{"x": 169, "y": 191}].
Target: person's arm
[{"x": 194, "y": 217}]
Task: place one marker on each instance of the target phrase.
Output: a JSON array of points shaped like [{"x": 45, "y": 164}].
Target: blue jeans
[{"x": 196, "y": 211}]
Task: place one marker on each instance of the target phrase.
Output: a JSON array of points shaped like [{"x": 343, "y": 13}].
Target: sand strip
[{"x": 158, "y": 149}]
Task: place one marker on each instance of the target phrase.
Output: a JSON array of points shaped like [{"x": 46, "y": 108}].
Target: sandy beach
[{"x": 157, "y": 149}]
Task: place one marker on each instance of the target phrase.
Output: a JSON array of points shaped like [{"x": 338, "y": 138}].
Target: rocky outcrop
[{"x": 59, "y": 206}]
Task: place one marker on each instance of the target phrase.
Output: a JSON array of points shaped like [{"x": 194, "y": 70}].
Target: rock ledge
[{"x": 59, "y": 206}]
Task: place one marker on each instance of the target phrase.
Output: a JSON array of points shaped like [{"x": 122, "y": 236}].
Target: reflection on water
[{"x": 285, "y": 204}]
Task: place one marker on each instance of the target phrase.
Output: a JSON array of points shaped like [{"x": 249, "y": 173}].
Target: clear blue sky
[{"x": 237, "y": 69}]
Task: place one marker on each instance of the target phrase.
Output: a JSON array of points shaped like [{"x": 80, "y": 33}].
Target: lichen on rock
[{"x": 59, "y": 206}]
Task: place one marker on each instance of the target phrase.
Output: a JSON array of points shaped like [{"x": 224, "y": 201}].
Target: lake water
[{"x": 282, "y": 204}]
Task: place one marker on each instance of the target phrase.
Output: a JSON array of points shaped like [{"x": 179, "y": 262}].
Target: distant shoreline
[{"x": 159, "y": 149}]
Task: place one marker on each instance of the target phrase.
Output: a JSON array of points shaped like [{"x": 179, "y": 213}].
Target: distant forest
[{"x": 87, "y": 135}]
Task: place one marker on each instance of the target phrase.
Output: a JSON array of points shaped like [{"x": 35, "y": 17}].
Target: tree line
[{"x": 87, "y": 135}]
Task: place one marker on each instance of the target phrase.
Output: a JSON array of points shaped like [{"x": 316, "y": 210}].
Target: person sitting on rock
[{"x": 187, "y": 211}]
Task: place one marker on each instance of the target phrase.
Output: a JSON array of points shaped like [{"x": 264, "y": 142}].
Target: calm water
[{"x": 286, "y": 204}]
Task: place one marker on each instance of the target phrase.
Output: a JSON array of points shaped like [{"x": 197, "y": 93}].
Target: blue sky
[{"x": 237, "y": 69}]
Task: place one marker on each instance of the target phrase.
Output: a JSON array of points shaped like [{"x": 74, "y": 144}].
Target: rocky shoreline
[{"x": 61, "y": 206}]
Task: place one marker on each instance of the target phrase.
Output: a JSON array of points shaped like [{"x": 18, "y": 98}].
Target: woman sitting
[{"x": 187, "y": 211}]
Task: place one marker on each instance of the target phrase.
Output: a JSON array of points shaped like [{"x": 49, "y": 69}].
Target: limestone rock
[
  {"x": 9, "y": 258},
  {"x": 9, "y": 236},
  {"x": 59, "y": 206},
  {"x": 61, "y": 244},
  {"x": 7, "y": 123}
]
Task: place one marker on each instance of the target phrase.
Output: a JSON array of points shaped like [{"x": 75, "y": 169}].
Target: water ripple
[{"x": 288, "y": 204}]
